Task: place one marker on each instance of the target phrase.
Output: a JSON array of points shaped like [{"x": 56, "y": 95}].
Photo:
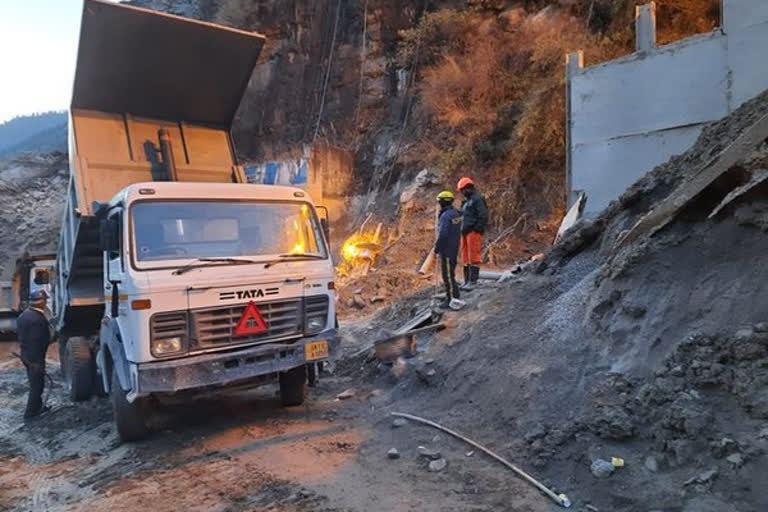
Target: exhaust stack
[{"x": 166, "y": 150}]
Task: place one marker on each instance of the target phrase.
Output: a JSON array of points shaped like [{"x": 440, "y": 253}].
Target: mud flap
[{"x": 111, "y": 343}]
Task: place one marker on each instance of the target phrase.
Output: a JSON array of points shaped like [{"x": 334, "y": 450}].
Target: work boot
[
  {"x": 474, "y": 275},
  {"x": 467, "y": 284}
]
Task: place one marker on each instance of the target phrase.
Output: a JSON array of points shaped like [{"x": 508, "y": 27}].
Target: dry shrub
[
  {"x": 494, "y": 90},
  {"x": 443, "y": 32},
  {"x": 676, "y": 19},
  {"x": 499, "y": 104}
]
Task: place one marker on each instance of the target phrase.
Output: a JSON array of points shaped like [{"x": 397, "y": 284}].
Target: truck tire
[
  {"x": 293, "y": 386},
  {"x": 130, "y": 418},
  {"x": 80, "y": 369}
]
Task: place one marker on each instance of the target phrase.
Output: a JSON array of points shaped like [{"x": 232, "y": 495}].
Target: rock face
[
  {"x": 287, "y": 93},
  {"x": 32, "y": 191}
]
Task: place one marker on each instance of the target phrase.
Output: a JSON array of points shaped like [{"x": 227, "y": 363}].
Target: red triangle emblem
[{"x": 251, "y": 322}]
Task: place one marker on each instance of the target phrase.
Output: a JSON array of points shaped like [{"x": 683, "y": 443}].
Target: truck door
[{"x": 114, "y": 269}]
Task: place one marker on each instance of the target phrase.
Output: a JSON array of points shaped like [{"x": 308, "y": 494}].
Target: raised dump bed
[{"x": 140, "y": 72}]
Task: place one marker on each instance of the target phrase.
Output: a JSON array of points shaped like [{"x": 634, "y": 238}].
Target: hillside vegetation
[{"x": 35, "y": 133}]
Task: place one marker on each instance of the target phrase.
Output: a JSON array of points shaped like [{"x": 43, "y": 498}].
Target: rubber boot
[
  {"x": 469, "y": 283},
  {"x": 474, "y": 276},
  {"x": 467, "y": 278}
]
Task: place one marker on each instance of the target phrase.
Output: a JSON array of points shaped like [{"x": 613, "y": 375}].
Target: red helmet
[{"x": 465, "y": 182}]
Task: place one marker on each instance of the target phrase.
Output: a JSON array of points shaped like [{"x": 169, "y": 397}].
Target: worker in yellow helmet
[{"x": 447, "y": 247}]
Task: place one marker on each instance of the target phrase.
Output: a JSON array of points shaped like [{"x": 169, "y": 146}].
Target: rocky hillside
[
  {"x": 37, "y": 133},
  {"x": 654, "y": 352},
  {"x": 455, "y": 86},
  {"x": 32, "y": 192}
]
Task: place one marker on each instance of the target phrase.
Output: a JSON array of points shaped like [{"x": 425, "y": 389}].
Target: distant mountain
[{"x": 38, "y": 133}]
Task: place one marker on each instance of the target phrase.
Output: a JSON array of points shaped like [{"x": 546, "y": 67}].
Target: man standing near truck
[
  {"x": 34, "y": 331},
  {"x": 475, "y": 219}
]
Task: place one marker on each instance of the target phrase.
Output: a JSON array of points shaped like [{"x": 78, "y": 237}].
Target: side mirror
[
  {"x": 326, "y": 228},
  {"x": 109, "y": 235},
  {"x": 324, "y": 222}
]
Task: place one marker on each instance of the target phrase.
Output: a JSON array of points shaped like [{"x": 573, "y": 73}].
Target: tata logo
[{"x": 255, "y": 293}]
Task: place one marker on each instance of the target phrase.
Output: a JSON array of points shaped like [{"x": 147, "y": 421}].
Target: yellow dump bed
[{"x": 139, "y": 71}]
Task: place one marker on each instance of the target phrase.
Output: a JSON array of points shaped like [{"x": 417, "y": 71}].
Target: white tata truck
[{"x": 173, "y": 275}]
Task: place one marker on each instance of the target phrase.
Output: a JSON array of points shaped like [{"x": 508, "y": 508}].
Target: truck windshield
[{"x": 181, "y": 230}]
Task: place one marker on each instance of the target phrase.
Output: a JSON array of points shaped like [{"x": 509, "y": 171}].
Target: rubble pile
[
  {"x": 632, "y": 376},
  {"x": 32, "y": 192}
]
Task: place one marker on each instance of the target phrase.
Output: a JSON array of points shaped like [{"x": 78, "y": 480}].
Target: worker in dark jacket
[
  {"x": 34, "y": 331},
  {"x": 475, "y": 219},
  {"x": 447, "y": 247}
]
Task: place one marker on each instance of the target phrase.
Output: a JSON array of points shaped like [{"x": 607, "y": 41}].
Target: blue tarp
[{"x": 290, "y": 172}]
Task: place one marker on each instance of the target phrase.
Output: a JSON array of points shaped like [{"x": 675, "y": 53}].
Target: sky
[{"x": 38, "y": 50}]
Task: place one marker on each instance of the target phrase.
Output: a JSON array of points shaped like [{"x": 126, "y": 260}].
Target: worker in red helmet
[{"x": 474, "y": 221}]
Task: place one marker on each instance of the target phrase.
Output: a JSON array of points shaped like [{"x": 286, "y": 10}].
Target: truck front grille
[{"x": 215, "y": 327}]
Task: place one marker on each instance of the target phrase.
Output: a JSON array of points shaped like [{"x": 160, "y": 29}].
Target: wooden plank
[
  {"x": 417, "y": 321},
  {"x": 757, "y": 178},
  {"x": 667, "y": 209}
]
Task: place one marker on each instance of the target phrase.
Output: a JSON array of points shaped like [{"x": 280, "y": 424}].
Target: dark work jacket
[
  {"x": 448, "y": 233},
  {"x": 475, "y": 212},
  {"x": 34, "y": 334}
]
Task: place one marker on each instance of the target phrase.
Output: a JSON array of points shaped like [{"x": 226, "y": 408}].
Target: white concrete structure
[{"x": 626, "y": 116}]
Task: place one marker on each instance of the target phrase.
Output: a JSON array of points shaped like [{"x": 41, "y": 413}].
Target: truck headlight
[
  {"x": 316, "y": 314},
  {"x": 315, "y": 324},
  {"x": 167, "y": 346},
  {"x": 169, "y": 333}
]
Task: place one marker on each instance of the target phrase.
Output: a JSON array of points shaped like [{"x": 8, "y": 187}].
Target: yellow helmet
[{"x": 446, "y": 194}]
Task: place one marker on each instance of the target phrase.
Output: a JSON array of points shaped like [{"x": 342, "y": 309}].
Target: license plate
[{"x": 316, "y": 350}]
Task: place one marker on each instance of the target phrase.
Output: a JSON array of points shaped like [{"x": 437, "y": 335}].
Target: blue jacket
[
  {"x": 32, "y": 329},
  {"x": 448, "y": 233}
]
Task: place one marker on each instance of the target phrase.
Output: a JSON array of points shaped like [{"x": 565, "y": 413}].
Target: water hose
[{"x": 560, "y": 499}]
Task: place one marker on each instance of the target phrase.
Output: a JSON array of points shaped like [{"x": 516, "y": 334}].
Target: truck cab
[
  {"x": 33, "y": 272},
  {"x": 174, "y": 275}
]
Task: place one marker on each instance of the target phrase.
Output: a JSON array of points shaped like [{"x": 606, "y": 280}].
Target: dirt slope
[{"x": 655, "y": 354}]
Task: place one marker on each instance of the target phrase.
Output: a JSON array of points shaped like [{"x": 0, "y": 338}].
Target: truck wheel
[
  {"x": 80, "y": 368},
  {"x": 130, "y": 418},
  {"x": 293, "y": 386}
]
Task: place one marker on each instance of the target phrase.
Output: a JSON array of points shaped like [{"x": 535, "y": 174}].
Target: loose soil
[{"x": 235, "y": 453}]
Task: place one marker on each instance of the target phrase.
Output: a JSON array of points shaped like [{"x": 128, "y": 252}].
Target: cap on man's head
[{"x": 38, "y": 295}]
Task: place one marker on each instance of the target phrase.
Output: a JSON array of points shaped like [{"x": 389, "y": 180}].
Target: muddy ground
[{"x": 240, "y": 452}]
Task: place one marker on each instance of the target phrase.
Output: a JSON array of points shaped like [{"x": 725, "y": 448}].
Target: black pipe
[{"x": 167, "y": 151}]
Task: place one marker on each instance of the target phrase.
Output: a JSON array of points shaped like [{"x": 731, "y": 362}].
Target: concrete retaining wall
[{"x": 628, "y": 115}]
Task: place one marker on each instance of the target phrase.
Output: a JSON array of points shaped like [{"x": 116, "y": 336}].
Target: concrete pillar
[
  {"x": 645, "y": 27},
  {"x": 574, "y": 63}
]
